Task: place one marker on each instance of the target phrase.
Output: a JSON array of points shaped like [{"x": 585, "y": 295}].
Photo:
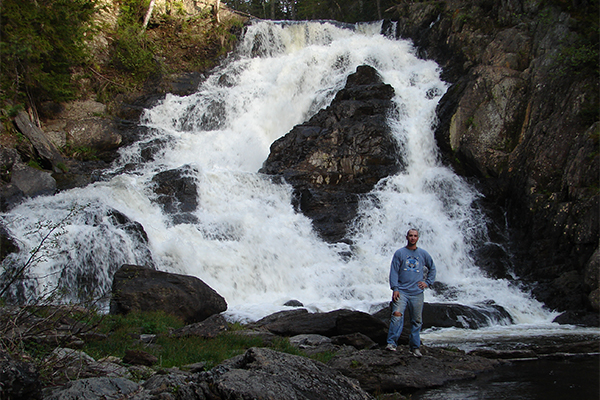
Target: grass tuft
[{"x": 122, "y": 334}]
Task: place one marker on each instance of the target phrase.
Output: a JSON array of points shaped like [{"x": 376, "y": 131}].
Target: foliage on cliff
[
  {"x": 41, "y": 42},
  {"x": 60, "y": 50}
]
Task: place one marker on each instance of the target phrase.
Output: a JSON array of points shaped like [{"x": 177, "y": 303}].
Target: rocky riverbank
[{"x": 358, "y": 367}]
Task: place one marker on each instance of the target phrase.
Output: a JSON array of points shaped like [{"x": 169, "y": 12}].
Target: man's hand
[
  {"x": 395, "y": 295},
  {"x": 422, "y": 285}
]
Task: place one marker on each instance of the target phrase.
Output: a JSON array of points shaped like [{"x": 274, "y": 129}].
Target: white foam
[{"x": 249, "y": 244}]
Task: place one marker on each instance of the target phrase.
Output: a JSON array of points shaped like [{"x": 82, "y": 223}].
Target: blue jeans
[{"x": 414, "y": 305}]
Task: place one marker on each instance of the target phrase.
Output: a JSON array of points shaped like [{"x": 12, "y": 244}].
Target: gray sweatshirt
[{"x": 408, "y": 268}]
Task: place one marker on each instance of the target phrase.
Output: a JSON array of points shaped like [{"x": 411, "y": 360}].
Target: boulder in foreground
[{"x": 137, "y": 288}]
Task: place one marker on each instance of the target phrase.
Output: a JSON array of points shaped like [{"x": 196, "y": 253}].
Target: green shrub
[
  {"x": 131, "y": 12},
  {"x": 80, "y": 153},
  {"x": 133, "y": 53},
  {"x": 40, "y": 40}
]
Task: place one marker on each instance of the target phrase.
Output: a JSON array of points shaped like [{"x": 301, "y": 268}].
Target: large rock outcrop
[
  {"x": 521, "y": 115},
  {"x": 137, "y": 288},
  {"x": 264, "y": 373},
  {"x": 340, "y": 153},
  {"x": 357, "y": 365},
  {"x": 402, "y": 373}
]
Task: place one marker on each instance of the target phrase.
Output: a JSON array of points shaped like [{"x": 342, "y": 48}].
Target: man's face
[{"x": 412, "y": 237}]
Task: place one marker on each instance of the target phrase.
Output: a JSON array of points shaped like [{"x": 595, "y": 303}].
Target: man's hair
[{"x": 412, "y": 229}]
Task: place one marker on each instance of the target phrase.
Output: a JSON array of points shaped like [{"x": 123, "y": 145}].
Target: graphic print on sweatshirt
[{"x": 411, "y": 264}]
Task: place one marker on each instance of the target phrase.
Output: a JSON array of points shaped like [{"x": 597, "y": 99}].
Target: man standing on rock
[{"x": 412, "y": 270}]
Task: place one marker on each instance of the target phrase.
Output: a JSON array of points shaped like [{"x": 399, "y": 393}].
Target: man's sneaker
[
  {"x": 390, "y": 347},
  {"x": 416, "y": 353}
]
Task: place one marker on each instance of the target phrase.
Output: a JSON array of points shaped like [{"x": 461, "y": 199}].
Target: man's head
[{"x": 412, "y": 237}]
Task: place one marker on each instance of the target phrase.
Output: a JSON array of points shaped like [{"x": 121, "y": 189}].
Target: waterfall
[{"x": 247, "y": 241}]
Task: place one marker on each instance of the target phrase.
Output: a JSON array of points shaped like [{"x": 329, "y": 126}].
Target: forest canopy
[{"x": 339, "y": 10}]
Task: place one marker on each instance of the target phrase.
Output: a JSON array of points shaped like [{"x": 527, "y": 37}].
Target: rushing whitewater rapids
[{"x": 249, "y": 243}]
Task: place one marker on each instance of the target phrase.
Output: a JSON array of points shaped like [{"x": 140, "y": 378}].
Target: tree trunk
[
  {"x": 148, "y": 14},
  {"x": 216, "y": 11}
]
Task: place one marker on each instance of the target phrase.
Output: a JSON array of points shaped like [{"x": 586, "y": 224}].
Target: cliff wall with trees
[{"x": 521, "y": 117}]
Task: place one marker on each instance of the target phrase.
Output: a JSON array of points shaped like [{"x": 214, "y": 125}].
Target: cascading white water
[{"x": 249, "y": 244}]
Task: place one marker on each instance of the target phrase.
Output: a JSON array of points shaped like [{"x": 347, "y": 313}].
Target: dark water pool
[{"x": 574, "y": 378}]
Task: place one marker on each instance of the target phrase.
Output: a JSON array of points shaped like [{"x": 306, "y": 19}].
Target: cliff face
[{"x": 522, "y": 116}]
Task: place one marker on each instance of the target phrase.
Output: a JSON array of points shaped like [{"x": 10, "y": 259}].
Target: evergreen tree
[{"x": 40, "y": 40}]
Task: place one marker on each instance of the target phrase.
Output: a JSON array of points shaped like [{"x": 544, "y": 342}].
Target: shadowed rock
[
  {"x": 137, "y": 288},
  {"x": 396, "y": 371},
  {"x": 263, "y": 373},
  {"x": 209, "y": 328},
  {"x": 340, "y": 153},
  {"x": 334, "y": 323},
  {"x": 20, "y": 380}
]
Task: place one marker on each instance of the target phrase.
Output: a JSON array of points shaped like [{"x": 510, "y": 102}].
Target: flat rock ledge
[
  {"x": 262, "y": 373},
  {"x": 382, "y": 371}
]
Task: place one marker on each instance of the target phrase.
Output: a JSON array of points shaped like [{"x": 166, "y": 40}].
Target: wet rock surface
[
  {"x": 339, "y": 154},
  {"x": 177, "y": 193}
]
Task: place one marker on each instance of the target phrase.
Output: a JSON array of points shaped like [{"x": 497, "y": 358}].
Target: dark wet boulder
[
  {"x": 333, "y": 323},
  {"x": 339, "y": 154},
  {"x": 297, "y": 322},
  {"x": 447, "y": 315},
  {"x": 293, "y": 303},
  {"x": 149, "y": 149},
  {"x": 137, "y": 288},
  {"x": 581, "y": 318},
  {"x": 176, "y": 192},
  {"x": 7, "y": 244}
]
